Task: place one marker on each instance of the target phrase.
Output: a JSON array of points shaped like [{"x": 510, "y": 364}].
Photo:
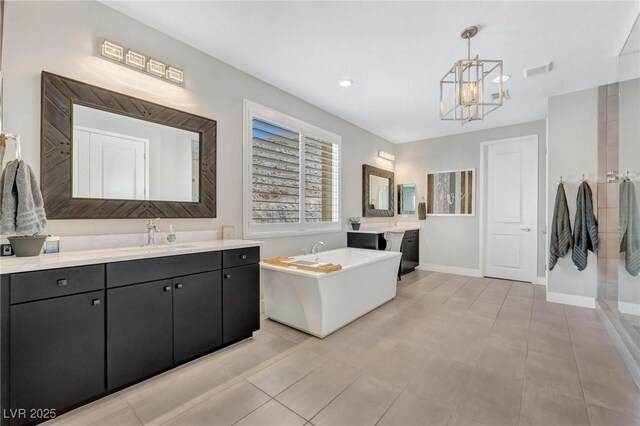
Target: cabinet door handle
[
  {"x": 167, "y": 288},
  {"x": 95, "y": 302},
  {"x": 62, "y": 282},
  {"x": 227, "y": 276},
  {"x": 179, "y": 285},
  {"x": 243, "y": 256}
]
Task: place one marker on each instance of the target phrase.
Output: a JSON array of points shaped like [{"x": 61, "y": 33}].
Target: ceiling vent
[
  {"x": 540, "y": 69},
  {"x": 505, "y": 95}
]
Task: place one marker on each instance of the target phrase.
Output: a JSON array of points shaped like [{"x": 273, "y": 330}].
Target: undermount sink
[{"x": 159, "y": 247}]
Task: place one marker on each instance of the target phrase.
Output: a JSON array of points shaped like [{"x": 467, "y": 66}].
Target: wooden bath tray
[{"x": 289, "y": 262}]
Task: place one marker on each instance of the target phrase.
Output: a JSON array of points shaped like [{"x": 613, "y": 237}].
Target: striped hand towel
[
  {"x": 629, "y": 227},
  {"x": 585, "y": 231},
  {"x": 560, "y": 239}
]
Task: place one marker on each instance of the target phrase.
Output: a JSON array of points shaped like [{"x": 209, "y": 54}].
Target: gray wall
[
  {"x": 454, "y": 241},
  {"x": 572, "y": 152},
  {"x": 62, "y": 37}
]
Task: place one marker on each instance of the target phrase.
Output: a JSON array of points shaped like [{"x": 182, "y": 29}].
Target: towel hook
[
  {"x": 561, "y": 181},
  {"x": 16, "y": 139}
]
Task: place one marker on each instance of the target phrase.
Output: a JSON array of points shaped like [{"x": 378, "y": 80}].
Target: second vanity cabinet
[{"x": 70, "y": 335}]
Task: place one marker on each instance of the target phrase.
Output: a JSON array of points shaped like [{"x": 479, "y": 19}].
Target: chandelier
[{"x": 463, "y": 95}]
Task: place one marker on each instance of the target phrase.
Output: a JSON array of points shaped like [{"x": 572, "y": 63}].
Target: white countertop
[
  {"x": 10, "y": 265},
  {"x": 384, "y": 228}
]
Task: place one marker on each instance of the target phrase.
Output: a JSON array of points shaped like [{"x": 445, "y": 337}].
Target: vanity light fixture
[
  {"x": 138, "y": 61},
  {"x": 112, "y": 51},
  {"x": 386, "y": 155},
  {"x": 175, "y": 75},
  {"x": 135, "y": 59},
  {"x": 462, "y": 89},
  {"x": 156, "y": 67}
]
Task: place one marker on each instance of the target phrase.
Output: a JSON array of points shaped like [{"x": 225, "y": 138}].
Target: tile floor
[{"x": 449, "y": 350}]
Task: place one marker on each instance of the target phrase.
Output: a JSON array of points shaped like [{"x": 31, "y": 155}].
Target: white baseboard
[
  {"x": 541, "y": 281},
  {"x": 469, "y": 272},
  {"x": 571, "y": 299},
  {"x": 629, "y": 308}
]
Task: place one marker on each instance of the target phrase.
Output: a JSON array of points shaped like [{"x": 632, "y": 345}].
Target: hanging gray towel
[
  {"x": 30, "y": 218},
  {"x": 585, "y": 231},
  {"x": 8, "y": 198},
  {"x": 422, "y": 211},
  {"x": 561, "y": 239},
  {"x": 629, "y": 227}
]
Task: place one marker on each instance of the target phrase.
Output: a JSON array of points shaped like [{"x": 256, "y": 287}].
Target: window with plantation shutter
[{"x": 292, "y": 175}]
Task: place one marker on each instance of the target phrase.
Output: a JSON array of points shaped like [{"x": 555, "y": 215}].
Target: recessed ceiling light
[
  {"x": 504, "y": 78},
  {"x": 345, "y": 82}
]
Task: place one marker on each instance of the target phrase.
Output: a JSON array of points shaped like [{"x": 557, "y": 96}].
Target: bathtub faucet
[{"x": 315, "y": 249}]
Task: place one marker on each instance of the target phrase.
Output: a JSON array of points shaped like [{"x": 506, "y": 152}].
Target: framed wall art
[{"x": 451, "y": 193}]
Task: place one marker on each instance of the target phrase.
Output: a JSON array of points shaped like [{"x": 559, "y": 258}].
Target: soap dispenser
[{"x": 171, "y": 236}]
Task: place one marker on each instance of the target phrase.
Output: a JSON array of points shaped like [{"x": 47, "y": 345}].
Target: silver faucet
[
  {"x": 152, "y": 228},
  {"x": 315, "y": 249}
]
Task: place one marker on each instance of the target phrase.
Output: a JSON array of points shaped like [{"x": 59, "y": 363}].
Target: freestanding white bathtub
[{"x": 319, "y": 303}]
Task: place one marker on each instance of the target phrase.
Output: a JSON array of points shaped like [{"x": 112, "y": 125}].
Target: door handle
[
  {"x": 167, "y": 288},
  {"x": 525, "y": 229},
  {"x": 179, "y": 285},
  {"x": 243, "y": 256},
  {"x": 95, "y": 302},
  {"x": 227, "y": 276},
  {"x": 62, "y": 282}
]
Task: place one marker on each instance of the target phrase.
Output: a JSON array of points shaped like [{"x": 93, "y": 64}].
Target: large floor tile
[
  {"x": 410, "y": 409},
  {"x": 248, "y": 357},
  {"x": 610, "y": 388},
  {"x": 484, "y": 309},
  {"x": 598, "y": 353},
  {"x": 544, "y": 339},
  {"x": 553, "y": 372},
  {"x": 364, "y": 349},
  {"x": 492, "y": 398},
  {"x": 600, "y": 416},
  {"x": 312, "y": 393},
  {"x": 363, "y": 403},
  {"x": 541, "y": 407},
  {"x": 441, "y": 380},
  {"x": 541, "y": 305},
  {"x": 518, "y": 302},
  {"x": 581, "y": 313},
  {"x": 104, "y": 410},
  {"x": 280, "y": 375},
  {"x": 225, "y": 408},
  {"x": 161, "y": 398},
  {"x": 510, "y": 333},
  {"x": 394, "y": 369},
  {"x": 504, "y": 359},
  {"x": 272, "y": 414}
]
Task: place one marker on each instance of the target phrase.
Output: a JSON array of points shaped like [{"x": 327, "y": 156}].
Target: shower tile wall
[{"x": 608, "y": 105}]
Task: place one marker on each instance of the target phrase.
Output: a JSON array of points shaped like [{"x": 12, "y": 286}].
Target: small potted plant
[{"x": 355, "y": 222}]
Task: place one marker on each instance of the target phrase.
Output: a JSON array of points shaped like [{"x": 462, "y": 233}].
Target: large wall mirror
[
  {"x": 108, "y": 155},
  {"x": 407, "y": 198},
  {"x": 377, "y": 192}
]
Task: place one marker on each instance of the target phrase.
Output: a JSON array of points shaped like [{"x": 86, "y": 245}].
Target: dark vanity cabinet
[
  {"x": 71, "y": 335},
  {"x": 410, "y": 251},
  {"x": 139, "y": 331},
  {"x": 240, "y": 293},
  {"x": 375, "y": 241},
  {"x": 56, "y": 341}
]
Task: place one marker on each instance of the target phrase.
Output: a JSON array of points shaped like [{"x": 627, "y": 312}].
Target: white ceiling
[{"x": 396, "y": 52}]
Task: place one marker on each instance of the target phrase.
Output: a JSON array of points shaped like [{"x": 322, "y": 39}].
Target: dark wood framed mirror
[
  {"x": 377, "y": 192},
  {"x": 106, "y": 155}
]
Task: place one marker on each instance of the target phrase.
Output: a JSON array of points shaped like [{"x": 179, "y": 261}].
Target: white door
[
  {"x": 110, "y": 166},
  {"x": 511, "y": 205}
]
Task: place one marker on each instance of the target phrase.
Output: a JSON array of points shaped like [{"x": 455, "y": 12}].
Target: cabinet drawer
[
  {"x": 36, "y": 285},
  {"x": 239, "y": 257},
  {"x": 160, "y": 268}
]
